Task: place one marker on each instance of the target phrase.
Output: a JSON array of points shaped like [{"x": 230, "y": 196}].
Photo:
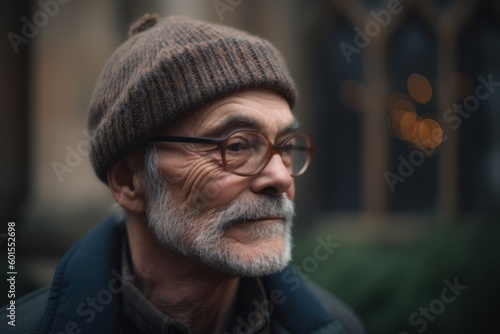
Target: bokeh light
[
  {"x": 404, "y": 105},
  {"x": 400, "y": 105},
  {"x": 401, "y": 102},
  {"x": 419, "y": 88},
  {"x": 429, "y": 133},
  {"x": 409, "y": 126},
  {"x": 421, "y": 132}
]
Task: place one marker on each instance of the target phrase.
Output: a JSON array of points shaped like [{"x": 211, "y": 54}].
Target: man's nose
[{"x": 274, "y": 179}]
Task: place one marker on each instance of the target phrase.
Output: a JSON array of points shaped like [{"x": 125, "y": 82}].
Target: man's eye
[
  {"x": 289, "y": 148},
  {"x": 237, "y": 146}
]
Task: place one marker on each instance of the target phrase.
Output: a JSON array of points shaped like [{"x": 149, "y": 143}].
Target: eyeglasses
[{"x": 247, "y": 152}]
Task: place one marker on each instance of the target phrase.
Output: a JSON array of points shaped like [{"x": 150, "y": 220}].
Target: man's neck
[{"x": 181, "y": 287}]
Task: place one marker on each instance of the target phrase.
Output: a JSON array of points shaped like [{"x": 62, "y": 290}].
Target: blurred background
[{"x": 401, "y": 97}]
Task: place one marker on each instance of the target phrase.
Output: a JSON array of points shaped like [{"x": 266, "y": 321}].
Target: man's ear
[{"x": 126, "y": 185}]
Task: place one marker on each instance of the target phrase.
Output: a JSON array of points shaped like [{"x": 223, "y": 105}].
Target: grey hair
[{"x": 147, "y": 168}]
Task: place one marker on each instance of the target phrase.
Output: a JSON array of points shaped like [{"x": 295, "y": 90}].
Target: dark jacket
[{"x": 85, "y": 295}]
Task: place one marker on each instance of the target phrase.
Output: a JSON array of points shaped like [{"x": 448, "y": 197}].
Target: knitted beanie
[{"x": 168, "y": 68}]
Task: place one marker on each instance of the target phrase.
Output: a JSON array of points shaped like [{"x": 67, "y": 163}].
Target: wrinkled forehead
[{"x": 261, "y": 110}]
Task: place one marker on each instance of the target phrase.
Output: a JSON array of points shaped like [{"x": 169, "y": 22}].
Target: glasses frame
[{"x": 221, "y": 144}]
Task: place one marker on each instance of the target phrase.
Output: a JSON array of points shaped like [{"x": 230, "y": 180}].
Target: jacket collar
[
  {"x": 295, "y": 307},
  {"x": 85, "y": 292},
  {"x": 87, "y": 286}
]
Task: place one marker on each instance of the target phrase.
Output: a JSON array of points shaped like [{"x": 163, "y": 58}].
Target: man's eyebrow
[
  {"x": 234, "y": 122},
  {"x": 292, "y": 127}
]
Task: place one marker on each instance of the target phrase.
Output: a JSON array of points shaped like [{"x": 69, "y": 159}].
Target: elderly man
[{"x": 192, "y": 131}]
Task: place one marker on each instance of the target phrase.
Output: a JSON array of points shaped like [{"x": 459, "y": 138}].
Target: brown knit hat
[{"x": 168, "y": 68}]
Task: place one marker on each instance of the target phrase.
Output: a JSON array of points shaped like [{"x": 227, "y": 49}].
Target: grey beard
[{"x": 184, "y": 229}]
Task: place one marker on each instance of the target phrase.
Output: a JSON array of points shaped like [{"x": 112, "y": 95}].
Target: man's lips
[
  {"x": 263, "y": 218},
  {"x": 253, "y": 220}
]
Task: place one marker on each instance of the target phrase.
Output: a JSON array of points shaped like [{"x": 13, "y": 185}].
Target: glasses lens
[
  {"x": 296, "y": 154},
  {"x": 245, "y": 152}
]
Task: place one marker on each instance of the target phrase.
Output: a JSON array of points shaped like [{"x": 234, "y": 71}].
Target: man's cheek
[
  {"x": 204, "y": 190},
  {"x": 217, "y": 190}
]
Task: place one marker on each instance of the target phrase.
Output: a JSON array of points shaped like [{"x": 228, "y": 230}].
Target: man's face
[{"x": 237, "y": 224}]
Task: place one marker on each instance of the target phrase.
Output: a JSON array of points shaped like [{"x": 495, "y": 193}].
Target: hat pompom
[{"x": 144, "y": 23}]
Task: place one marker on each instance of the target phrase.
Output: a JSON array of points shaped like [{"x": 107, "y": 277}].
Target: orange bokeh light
[
  {"x": 409, "y": 126},
  {"x": 429, "y": 133},
  {"x": 422, "y": 132},
  {"x": 403, "y": 105},
  {"x": 420, "y": 88}
]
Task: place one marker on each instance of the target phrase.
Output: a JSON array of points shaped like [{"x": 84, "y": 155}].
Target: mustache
[{"x": 258, "y": 207}]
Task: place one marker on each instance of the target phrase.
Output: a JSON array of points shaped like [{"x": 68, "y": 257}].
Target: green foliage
[{"x": 387, "y": 277}]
